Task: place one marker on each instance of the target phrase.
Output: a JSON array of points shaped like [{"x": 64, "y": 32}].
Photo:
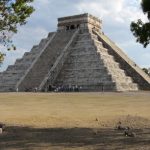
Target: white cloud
[
  {"x": 118, "y": 10},
  {"x": 93, "y": 8}
]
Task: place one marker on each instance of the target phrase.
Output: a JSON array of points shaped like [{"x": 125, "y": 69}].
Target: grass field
[{"x": 74, "y": 120}]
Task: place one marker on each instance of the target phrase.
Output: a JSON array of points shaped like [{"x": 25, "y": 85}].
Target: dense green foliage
[
  {"x": 142, "y": 30},
  {"x": 146, "y": 71},
  {"x": 13, "y": 13}
]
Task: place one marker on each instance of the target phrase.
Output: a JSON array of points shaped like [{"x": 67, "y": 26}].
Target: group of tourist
[
  {"x": 63, "y": 88},
  {"x": 50, "y": 88}
]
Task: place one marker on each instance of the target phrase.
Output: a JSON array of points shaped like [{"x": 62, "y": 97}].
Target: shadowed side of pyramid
[{"x": 131, "y": 69}]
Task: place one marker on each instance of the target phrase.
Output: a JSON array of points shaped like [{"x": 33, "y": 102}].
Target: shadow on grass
[{"x": 60, "y": 138}]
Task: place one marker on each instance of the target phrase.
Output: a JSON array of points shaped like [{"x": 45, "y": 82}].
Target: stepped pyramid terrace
[{"x": 78, "y": 54}]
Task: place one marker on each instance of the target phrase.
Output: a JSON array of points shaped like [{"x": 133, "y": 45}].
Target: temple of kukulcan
[{"x": 78, "y": 54}]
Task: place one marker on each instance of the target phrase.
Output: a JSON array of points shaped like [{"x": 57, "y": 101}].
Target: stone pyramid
[{"x": 78, "y": 54}]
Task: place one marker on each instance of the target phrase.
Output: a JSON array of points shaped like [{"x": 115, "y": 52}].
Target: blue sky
[{"x": 116, "y": 15}]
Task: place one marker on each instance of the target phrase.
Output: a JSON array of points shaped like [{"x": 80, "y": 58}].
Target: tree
[
  {"x": 146, "y": 71},
  {"x": 13, "y": 13},
  {"x": 142, "y": 30}
]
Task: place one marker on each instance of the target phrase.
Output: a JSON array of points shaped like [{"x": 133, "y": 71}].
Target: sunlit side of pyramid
[{"x": 78, "y": 54}]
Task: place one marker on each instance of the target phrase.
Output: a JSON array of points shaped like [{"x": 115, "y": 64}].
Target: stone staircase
[
  {"x": 13, "y": 74},
  {"x": 93, "y": 68},
  {"x": 83, "y": 66},
  {"x": 45, "y": 61},
  {"x": 57, "y": 67}
]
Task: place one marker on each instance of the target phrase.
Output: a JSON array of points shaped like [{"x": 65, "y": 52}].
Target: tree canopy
[
  {"x": 13, "y": 13},
  {"x": 146, "y": 71},
  {"x": 142, "y": 30}
]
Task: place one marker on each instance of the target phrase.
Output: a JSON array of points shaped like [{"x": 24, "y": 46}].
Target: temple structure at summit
[{"x": 77, "y": 54}]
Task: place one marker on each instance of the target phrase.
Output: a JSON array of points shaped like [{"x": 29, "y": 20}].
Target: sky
[{"x": 115, "y": 14}]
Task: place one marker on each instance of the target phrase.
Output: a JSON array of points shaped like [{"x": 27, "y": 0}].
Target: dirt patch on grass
[{"x": 25, "y": 138}]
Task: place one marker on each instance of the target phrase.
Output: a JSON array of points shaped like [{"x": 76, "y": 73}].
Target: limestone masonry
[{"x": 78, "y": 54}]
